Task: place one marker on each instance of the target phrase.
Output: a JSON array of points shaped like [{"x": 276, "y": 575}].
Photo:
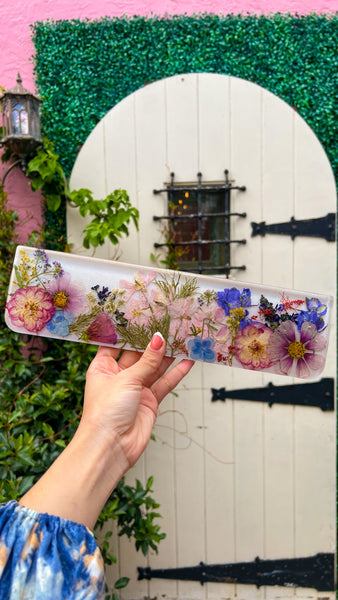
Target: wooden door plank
[
  {"x": 219, "y": 497},
  {"x": 214, "y": 134},
  {"x": 120, "y": 164},
  {"x": 151, "y": 161},
  {"x": 84, "y": 176},
  {"x": 315, "y": 269},
  {"x": 246, "y": 169},
  {"x": 277, "y": 188},
  {"x": 182, "y": 127},
  {"x": 161, "y": 465},
  {"x": 190, "y": 484}
]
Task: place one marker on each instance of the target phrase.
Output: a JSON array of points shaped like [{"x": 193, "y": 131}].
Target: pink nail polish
[{"x": 157, "y": 341}]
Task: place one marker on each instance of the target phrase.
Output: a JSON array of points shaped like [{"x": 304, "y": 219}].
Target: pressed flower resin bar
[{"x": 59, "y": 295}]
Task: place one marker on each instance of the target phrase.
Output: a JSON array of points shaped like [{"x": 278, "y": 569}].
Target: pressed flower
[
  {"x": 102, "y": 330},
  {"x": 139, "y": 284},
  {"x": 222, "y": 340},
  {"x": 201, "y": 349},
  {"x": 251, "y": 346},
  {"x": 66, "y": 294},
  {"x": 31, "y": 307},
  {"x": 204, "y": 313},
  {"x": 297, "y": 349},
  {"x": 314, "y": 314},
  {"x": 180, "y": 311},
  {"x": 233, "y": 298},
  {"x": 60, "y": 322},
  {"x": 138, "y": 312}
]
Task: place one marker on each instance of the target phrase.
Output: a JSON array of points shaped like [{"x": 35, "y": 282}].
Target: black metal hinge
[
  {"x": 311, "y": 572},
  {"x": 322, "y": 227},
  {"x": 318, "y": 394}
]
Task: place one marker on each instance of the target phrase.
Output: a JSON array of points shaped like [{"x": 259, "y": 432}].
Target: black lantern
[{"x": 20, "y": 122}]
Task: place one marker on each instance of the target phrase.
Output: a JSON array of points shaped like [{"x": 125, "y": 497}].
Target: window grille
[{"x": 199, "y": 224}]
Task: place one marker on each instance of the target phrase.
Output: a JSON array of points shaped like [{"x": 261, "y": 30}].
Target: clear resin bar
[{"x": 215, "y": 320}]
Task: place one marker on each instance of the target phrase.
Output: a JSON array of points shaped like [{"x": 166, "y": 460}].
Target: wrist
[{"x": 78, "y": 484}]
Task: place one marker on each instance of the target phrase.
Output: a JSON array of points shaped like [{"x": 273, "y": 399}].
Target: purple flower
[
  {"x": 298, "y": 350},
  {"x": 59, "y": 324},
  {"x": 201, "y": 349},
  {"x": 233, "y": 298},
  {"x": 58, "y": 270},
  {"x": 41, "y": 256},
  {"x": 102, "y": 330},
  {"x": 102, "y": 295}
]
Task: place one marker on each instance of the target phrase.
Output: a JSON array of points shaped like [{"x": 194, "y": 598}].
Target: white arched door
[{"x": 235, "y": 479}]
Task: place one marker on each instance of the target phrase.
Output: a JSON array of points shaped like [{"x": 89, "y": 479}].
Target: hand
[
  {"x": 122, "y": 398},
  {"x": 120, "y": 407}
]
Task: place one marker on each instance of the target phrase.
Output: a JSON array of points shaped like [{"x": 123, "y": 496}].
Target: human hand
[
  {"x": 120, "y": 407},
  {"x": 122, "y": 397}
]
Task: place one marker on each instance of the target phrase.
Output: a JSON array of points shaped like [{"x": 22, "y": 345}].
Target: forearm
[{"x": 80, "y": 481}]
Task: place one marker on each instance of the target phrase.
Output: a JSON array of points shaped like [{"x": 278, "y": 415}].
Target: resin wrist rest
[{"x": 59, "y": 295}]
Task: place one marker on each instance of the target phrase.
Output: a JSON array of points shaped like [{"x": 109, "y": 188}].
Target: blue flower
[
  {"x": 313, "y": 304},
  {"x": 59, "y": 324},
  {"x": 314, "y": 314},
  {"x": 245, "y": 321},
  {"x": 201, "y": 349},
  {"x": 233, "y": 298}
]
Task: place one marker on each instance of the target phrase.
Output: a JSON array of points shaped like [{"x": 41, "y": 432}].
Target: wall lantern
[{"x": 20, "y": 123}]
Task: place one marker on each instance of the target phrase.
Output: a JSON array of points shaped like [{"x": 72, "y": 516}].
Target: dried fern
[{"x": 82, "y": 322}]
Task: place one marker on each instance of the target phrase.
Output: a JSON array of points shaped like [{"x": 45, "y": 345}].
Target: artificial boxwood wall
[{"x": 83, "y": 68}]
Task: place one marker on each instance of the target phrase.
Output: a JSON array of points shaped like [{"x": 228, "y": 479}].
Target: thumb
[{"x": 150, "y": 361}]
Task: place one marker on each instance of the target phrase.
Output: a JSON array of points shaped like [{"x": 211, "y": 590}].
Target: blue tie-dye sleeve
[{"x": 43, "y": 557}]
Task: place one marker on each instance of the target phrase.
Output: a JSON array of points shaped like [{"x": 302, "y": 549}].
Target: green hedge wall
[{"x": 83, "y": 68}]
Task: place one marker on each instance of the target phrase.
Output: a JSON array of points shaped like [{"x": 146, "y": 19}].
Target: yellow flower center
[
  {"x": 296, "y": 350},
  {"x": 60, "y": 299},
  {"x": 255, "y": 347},
  {"x": 139, "y": 285},
  {"x": 32, "y": 307}
]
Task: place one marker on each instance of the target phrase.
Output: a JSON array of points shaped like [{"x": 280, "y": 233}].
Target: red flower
[{"x": 102, "y": 330}]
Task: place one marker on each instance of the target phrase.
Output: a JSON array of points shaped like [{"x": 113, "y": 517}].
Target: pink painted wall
[{"x": 17, "y": 50}]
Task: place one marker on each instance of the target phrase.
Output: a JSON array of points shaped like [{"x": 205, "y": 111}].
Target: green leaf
[
  {"x": 121, "y": 583},
  {"x": 53, "y": 202}
]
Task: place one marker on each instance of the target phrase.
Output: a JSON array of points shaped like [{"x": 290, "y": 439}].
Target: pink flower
[
  {"x": 222, "y": 340},
  {"x": 67, "y": 295},
  {"x": 208, "y": 313},
  {"x": 180, "y": 312},
  {"x": 102, "y": 330},
  {"x": 31, "y": 307},
  {"x": 138, "y": 312},
  {"x": 141, "y": 281},
  {"x": 251, "y": 346},
  {"x": 159, "y": 303},
  {"x": 299, "y": 349}
]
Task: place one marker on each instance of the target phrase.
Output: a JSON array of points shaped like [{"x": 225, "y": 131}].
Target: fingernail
[{"x": 157, "y": 341}]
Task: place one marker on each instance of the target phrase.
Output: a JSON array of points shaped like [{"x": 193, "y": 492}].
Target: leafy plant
[
  {"x": 110, "y": 216},
  {"x": 42, "y": 384}
]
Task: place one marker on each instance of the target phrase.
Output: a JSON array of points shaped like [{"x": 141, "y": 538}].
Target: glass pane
[
  {"x": 209, "y": 228},
  {"x": 24, "y": 121},
  {"x": 15, "y": 121},
  {"x": 19, "y": 119}
]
